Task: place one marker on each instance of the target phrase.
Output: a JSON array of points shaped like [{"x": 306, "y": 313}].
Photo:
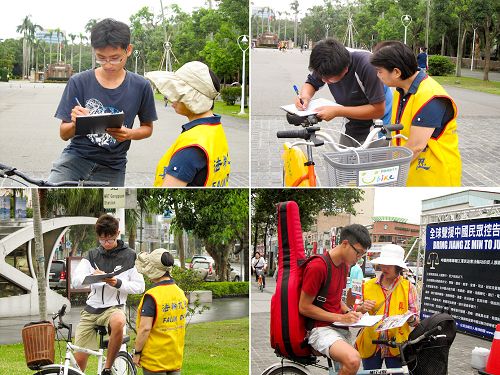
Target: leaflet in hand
[
  {"x": 98, "y": 123},
  {"x": 93, "y": 279},
  {"x": 366, "y": 320},
  {"x": 311, "y": 109},
  {"x": 394, "y": 321}
]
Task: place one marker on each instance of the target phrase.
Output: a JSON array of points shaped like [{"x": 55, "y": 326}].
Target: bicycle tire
[
  {"x": 56, "y": 370},
  {"x": 286, "y": 370},
  {"x": 123, "y": 365}
]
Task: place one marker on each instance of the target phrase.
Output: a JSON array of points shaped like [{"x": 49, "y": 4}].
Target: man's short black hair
[
  {"x": 110, "y": 32},
  {"x": 329, "y": 58},
  {"x": 396, "y": 55},
  {"x": 356, "y": 233},
  {"x": 216, "y": 82},
  {"x": 107, "y": 225}
]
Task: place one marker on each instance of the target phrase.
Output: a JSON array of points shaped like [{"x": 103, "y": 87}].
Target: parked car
[
  {"x": 205, "y": 269},
  {"x": 196, "y": 258},
  {"x": 234, "y": 275},
  {"x": 369, "y": 270},
  {"x": 57, "y": 274}
]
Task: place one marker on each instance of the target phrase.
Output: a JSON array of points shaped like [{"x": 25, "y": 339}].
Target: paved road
[
  {"x": 30, "y": 135},
  {"x": 273, "y": 75},
  {"x": 220, "y": 309},
  {"x": 262, "y": 355}
]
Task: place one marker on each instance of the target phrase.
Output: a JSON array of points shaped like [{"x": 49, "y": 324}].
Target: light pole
[
  {"x": 406, "y": 20},
  {"x": 327, "y": 27},
  {"x": 136, "y": 55},
  {"x": 243, "y": 44}
]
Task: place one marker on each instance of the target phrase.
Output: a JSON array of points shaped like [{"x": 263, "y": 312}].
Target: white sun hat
[
  {"x": 191, "y": 84},
  {"x": 391, "y": 255}
]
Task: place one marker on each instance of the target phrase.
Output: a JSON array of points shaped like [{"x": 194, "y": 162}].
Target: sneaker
[{"x": 106, "y": 371}]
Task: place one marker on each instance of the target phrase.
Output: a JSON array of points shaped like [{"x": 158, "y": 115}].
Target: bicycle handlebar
[
  {"x": 394, "y": 344},
  {"x": 61, "y": 324},
  {"x": 296, "y": 133},
  {"x": 6, "y": 171}
]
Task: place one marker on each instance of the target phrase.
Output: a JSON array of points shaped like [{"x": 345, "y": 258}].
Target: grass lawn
[
  {"x": 470, "y": 84},
  {"x": 220, "y": 108},
  {"x": 211, "y": 348}
]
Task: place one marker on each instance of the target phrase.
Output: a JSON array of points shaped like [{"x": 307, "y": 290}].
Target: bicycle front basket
[
  {"x": 383, "y": 166},
  {"x": 38, "y": 341}
]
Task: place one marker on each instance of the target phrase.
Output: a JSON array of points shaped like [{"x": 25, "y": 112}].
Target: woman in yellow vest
[
  {"x": 200, "y": 155},
  {"x": 427, "y": 113},
  {"x": 388, "y": 294},
  {"x": 159, "y": 346}
]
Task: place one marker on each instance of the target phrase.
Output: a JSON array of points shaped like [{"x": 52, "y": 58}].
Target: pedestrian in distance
[
  {"x": 423, "y": 59},
  {"x": 353, "y": 83},
  {"x": 428, "y": 114},
  {"x": 388, "y": 294},
  {"x": 200, "y": 155},
  {"x": 259, "y": 266},
  {"x": 108, "y": 89},
  {"x": 161, "y": 317},
  {"x": 104, "y": 306},
  {"x": 334, "y": 342}
]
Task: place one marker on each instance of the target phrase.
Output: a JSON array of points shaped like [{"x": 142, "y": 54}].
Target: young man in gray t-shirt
[{"x": 108, "y": 89}]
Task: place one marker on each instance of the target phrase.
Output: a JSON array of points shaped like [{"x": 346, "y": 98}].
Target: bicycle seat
[
  {"x": 105, "y": 342},
  {"x": 103, "y": 331}
]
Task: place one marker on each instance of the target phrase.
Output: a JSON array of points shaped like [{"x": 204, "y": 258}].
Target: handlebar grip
[
  {"x": 297, "y": 133},
  {"x": 382, "y": 342},
  {"x": 428, "y": 333},
  {"x": 63, "y": 310},
  {"x": 393, "y": 127}
]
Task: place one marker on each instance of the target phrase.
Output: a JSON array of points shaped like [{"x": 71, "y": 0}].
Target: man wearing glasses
[
  {"x": 107, "y": 297},
  {"x": 108, "y": 89},
  {"x": 323, "y": 337}
]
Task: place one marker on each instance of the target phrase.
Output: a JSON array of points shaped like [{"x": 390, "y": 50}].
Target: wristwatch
[{"x": 138, "y": 352}]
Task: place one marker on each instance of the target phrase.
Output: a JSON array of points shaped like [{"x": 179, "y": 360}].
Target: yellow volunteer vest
[
  {"x": 212, "y": 140},
  {"x": 439, "y": 164},
  {"x": 398, "y": 305},
  {"x": 164, "y": 347}
]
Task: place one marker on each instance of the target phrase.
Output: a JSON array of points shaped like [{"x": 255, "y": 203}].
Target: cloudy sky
[
  {"x": 72, "y": 16},
  {"x": 407, "y": 202}
]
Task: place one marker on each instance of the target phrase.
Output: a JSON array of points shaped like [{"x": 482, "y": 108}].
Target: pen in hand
[
  {"x": 297, "y": 92},
  {"x": 78, "y": 102}
]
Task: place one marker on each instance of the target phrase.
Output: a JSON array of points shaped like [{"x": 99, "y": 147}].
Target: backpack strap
[{"x": 323, "y": 292}]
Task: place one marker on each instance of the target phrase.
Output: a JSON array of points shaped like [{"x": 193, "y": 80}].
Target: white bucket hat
[
  {"x": 191, "y": 84},
  {"x": 391, "y": 255},
  {"x": 150, "y": 264}
]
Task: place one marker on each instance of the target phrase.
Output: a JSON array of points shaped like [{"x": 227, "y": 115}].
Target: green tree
[{"x": 330, "y": 201}]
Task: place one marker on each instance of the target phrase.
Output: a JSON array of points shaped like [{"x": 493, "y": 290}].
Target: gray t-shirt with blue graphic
[{"x": 134, "y": 97}]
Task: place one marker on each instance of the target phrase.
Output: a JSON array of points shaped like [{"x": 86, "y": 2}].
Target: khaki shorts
[
  {"x": 321, "y": 338},
  {"x": 86, "y": 335}
]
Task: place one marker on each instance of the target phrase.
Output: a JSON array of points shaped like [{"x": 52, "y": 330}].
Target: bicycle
[
  {"x": 123, "y": 364},
  {"x": 260, "y": 281},
  {"x": 7, "y": 172},
  {"x": 366, "y": 165},
  {"x": 290, "y": 367}
]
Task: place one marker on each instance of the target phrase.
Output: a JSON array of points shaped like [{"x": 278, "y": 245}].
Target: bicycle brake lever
[{"x": 317, "y": 142}]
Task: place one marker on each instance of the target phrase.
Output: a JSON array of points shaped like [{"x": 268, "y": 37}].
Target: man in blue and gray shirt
[{"x": 353, "y": 83}]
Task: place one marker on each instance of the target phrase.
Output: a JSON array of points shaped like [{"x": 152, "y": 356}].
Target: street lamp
[
  {"x": 243, "y": 44},
  {"x": 406, "y": 20},
  {"x": 136, "y": 55},
  {"x": 327, "y": 27}
]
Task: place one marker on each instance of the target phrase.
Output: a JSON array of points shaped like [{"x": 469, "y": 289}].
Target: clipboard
[
  {"x": 98, "y": 123},
  {"x": 311, "y": 108},
  {"x": 366, "y": 321},
  {"x": 93, "y": 279}
]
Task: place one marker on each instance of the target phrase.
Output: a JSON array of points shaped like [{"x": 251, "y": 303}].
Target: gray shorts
[{"x": 321, "y": 338}]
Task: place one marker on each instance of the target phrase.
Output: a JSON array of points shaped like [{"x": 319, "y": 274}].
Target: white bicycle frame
[{"x": 70, "y": 361}]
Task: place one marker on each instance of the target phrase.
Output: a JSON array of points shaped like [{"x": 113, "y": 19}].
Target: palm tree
[
  {"x": 59, "y": 49},
  {"x": 72, "y": 37},
  {"x": 24, "y": 28},
  {"x": 39, "y": 255},
  {"x": 295, "y": 8},
  {"x": 82, "y": 38},
  {"x": 88, "y": 28},
  {"x": 51, "y": 33}
]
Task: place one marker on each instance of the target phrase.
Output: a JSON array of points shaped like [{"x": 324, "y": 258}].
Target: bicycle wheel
[
  {"x": 123, "y": 365},
  {"x": 56, "y": 370},
  {"x": 286, "y": 370}
]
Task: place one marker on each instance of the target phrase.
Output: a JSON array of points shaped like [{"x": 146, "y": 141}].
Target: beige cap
[
  {"x": 191, "y": 84},
  {"x": 150, "y": 264}
]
